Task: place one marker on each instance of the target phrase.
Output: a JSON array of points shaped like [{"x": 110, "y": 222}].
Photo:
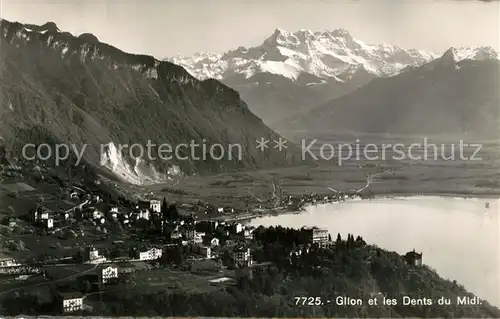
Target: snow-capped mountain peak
[
  {"x": 325, "y": 54},
  {"x": 467, "y": 53}
]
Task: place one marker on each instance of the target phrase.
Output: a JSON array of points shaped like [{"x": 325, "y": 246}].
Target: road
[{"x": 49, "y": 282}]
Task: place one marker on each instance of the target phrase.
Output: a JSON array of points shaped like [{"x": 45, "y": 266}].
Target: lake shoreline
[
  {"x": 457, "y": 237},
  {"x": 389, "y": 195}
]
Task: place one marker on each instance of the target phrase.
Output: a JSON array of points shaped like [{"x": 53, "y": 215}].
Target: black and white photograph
[{"x": 250, "y": 158}]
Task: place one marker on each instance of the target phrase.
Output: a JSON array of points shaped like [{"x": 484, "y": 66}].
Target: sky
[{"x": 171, "y": 27}]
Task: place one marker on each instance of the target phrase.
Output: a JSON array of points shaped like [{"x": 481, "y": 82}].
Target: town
[{"x": 84, "y": 244}]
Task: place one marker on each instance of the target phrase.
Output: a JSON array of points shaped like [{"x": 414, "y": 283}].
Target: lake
[{"x": 459, "y": 238}]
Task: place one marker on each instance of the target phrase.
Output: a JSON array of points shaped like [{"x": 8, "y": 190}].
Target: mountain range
[
  {"x": 324, "y": 55},
  {"x": 448, "y": 96},
  {"x": 290, "y": 74},
  {"x": 60, "y": 88}
]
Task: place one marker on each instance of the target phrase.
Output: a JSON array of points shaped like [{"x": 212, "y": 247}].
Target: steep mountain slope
[
  {"x": 446, "y": 96},
  {"x": 293, "y": 72},
  {"x": 65, "y": 89}
]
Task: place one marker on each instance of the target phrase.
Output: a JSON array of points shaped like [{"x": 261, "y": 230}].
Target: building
[
  {"x": 155, "y": 206},
  {"x": 92, "y": 213},
  {"x": 152, "y": 205},
  {"x": 189, "y": 232},
  {"x": 109, "y": 273},
  {"x": 40, "y": 214},
  {"x": 143, "y": 214},
  {"x": 206, "y": 252},
  {"x": 113, "y": 212},
  {"x": 150, "y": 254},
  {"x": 12, "y": 222},
  {"x": 413, "y": 258},
  {"x": 297, "y": 252},
  {"x": 248, "y": 233},
  {"x": 210, "y": 241},
  {"x": 198, "y": 238},
  {"x": 236, "y": 228},
  {"x": 48, "y": 223},
  {"x": 124, "y": 219},
  {"x": 175, "y": 235},
  {"x": 92, "y": 256},
  {"x": 71, "y": 302},
  {"x": 317, "y": 236},
  {"x": 100, "y": 220},
  {"x": 8, "y": 262},
  {"x": 242, "y": 257}
]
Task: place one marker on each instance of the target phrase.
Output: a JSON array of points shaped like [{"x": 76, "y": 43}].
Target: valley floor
[{"x": 468, "y": 179}]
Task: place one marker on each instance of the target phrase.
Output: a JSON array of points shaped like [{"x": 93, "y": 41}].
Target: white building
[
  {"x": 109, "y": 273},
  {"x": 206, "y": 252},
  {"x": 93, "y": 214},
  {"x": 155, "y": 206},
  {"x": 175, "y": 234},
  {"x": 210, "y": 241},
  {"x": 93, "y": 256},
  {"x": 38, "y": 216},
  {"x": 318, "y": 236},
  {"x": 143, "y": 214},
  {"x": 44, "y": 215},
  {"x": 48, "y": 223},
  {"x": 151, "y": 254},
  {"x": 242, "y": 257},
  {"x": 248, "y": 233},
  {"x": 237, "y": 228},
  {"x": 198, "y": 238},
  {"x": 71, "y": 302},
  {"x": 8, "y": 262}
]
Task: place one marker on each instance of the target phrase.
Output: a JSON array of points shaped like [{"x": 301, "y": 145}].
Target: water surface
[{"x": 458, "y": 237}]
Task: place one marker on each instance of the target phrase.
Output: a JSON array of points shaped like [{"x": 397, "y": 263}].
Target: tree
[
  {"x": 350, "y": 240},
  {"x": 339, "y": 238},
  {"x": 173, "y": 213},
  {"x": 83, "y": 285},
  {"x": 164, "y": 208}
]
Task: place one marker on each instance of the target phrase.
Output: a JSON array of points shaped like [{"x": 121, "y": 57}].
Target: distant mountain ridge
[
  {"x": 449, "y": 95},
  {"x": 324, "y": 54},
  {"x": 291, "y": 73},
  {"x": 66, "y": 89}
]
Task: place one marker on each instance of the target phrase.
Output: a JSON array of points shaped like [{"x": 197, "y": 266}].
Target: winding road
[{"x": 49, "y": 282}]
